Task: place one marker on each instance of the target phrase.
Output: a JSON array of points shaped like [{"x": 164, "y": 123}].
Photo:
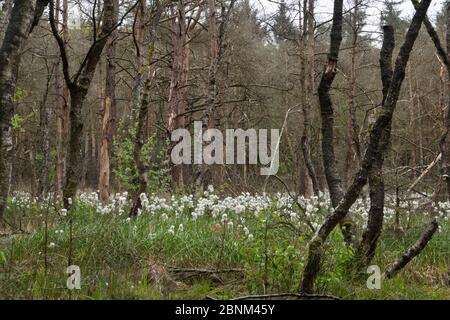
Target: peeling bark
[{"x": 108, "y": 113}]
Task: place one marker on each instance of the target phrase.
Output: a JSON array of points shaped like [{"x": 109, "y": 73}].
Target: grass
[{"x": 135, "y": 259}]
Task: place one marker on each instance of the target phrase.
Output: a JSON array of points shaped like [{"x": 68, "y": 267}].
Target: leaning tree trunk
[
  {"x": 414, "y": 250},
  {"x": 367, "y": 247},
  {"x": 373, "y": 152},
  {"x": 24, "y": 16}
]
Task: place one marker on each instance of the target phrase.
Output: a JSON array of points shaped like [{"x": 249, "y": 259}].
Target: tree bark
[
  {"x": 445, "y": 140},
  {"x": 142, "y": 169},
  {"x": 45, "y": 143},
  {"x": 308, "y": 87},
  {"x": 333, "y": 178},
  {"x": 366, "y": 250},
  {"x": 24, "y": 16},
  {"x": 59, "y": 168},
  {"x": 175, "y": 101},
  {"x": 373, "y": 151},
  {"x": 353, "y": 153},
  {"x": 108, "y": 113},
  {"x": 5, "y": 14},
  {"x": 217, "y": 49}
]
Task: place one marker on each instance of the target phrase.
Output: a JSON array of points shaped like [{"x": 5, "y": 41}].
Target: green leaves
[
  {"x": 2, "y": 258},
  {"x": 17, "y": 123},
  {"x": 20, "y": 94}
]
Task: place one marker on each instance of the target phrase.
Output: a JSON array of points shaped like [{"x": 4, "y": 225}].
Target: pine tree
[
  {"x": 391, "y": 15},
  {"x": 283, "y": 29}
]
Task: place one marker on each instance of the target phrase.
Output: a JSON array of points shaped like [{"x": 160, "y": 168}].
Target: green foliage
[
  {"x": 283, "y": 28},
  {"x": 17, "y": 123},
  {"x": 274, "y": 260},
  {"x": 20, "y": 94},
  {"x": 124, "y": 167},
  {"x": 391, "y": 15}
]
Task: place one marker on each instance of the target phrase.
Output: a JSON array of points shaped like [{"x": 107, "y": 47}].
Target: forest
[{"x": 224, "y": 149}]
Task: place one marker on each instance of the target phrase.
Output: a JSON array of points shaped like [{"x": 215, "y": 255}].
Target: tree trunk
[
  {"x": 182, "y": 119},
  {"x": 5, "y": 13},
  {"x": 108, "y": 114},
  {"x": 333, "y": 178},
  {"x": 44, "y": 117},
  {"x": 62, "y": 104},
  {"x": 142, "y": 169},
  {"x": 353, "y": 153},
  {"x": 445, "y": 140},
  {"x": 370, "y": 237},
  {"x": 308, "y": 87},
  {"x": 24, "y": 16},
  {"x": 176, "y": 81},
  {"x": 217, "y": 50}
]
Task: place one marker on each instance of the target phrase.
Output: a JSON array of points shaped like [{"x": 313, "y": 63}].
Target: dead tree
[
  {"x": 374, "y": 150},
  {"x": 25, "y": 16},
  {"x": 414, "y": 250}
]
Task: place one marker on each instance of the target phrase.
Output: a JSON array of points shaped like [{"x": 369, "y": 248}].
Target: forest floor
[{"x": 185, "y": 248}]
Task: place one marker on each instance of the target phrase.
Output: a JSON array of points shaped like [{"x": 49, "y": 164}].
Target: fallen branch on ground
[
  {"x": 209, "y": 271},
  {"x": 413, "y": 251},
  {"x": 299, "y": 296}
]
